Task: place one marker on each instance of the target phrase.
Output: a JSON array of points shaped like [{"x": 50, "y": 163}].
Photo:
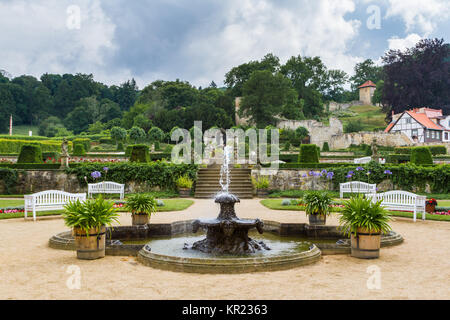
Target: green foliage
[
  {"x": 308, "y": 154},
  {"x": 325, "y": 147},
  {"x": 86, "y": 142},
  {"x": 317, "y": 202},
  {"x": 184, "y": 182},
  {"x": 14, "y": 146},
  {"x": 139, "y": 153},
  {"x": 51, "y": 155},
  {"x": 421, "y": 155},
  {"x": 287, "y": 146},
  {"x": 137, "y": 134},
  {"x": 90, "y": 214},
  {"x": 161, "y": 175},
  {"x": 156, "y": 134},
  {"x": 141, "y": 204},
  {"x": 363, "y": 213},
  {"x": 78, "y": 150},
  {"x": 118, "y": 134},
  {"x": 30, "y": 154},
  {"x": 120, "y": 146},
  {"x": 353, "y": 126},
  {"x": 106, "y": 141},
  {"x": 128, "y": 150},
  {"x": 9, "y": 179},
  {"x": 262, "y": 182},
  {"x": 435, "y": 150}
]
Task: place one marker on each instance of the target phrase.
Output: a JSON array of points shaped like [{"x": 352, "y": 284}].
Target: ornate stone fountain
[{"x": 227, "y": 234}]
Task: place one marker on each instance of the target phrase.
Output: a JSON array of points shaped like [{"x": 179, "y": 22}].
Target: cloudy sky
[{"x": 200, "y": 40}]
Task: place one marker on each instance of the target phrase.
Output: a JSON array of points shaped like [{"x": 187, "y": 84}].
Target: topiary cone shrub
[
  {"x": 30, "y": 154},
  {"x": 308, "y": 154},
  {"x": 421, "y": 155},
  {"x": 325, "y": 147},
  {"x": 139, "y": 153},
  {"x": 78, "y": 150},
  {"x": 120, "y": 146}
]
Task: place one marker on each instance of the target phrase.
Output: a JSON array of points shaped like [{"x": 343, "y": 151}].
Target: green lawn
[
  {"x": 169, "y": 206},
  {"x": 23, "y": 130},
  {"x": 370, "y": 117},
  {"x": 11, "y": 203},
  {"x": 275, "y": 204}
]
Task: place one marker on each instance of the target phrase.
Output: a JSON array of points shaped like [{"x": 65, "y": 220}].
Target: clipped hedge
[
  {"x": 325, "y": 147},
  {"x": 435, "y": 150},
  {"x": 309, "y": 153},
  {"x": 8, "y": 177},
  {"x": 139, "y": 153},
  {"x": 397, "y": 158},
  {"x": 78, "y": 150},
  {"x": 30, "y": 154},
  {"x": 421, "y": 155},
  {"x": 155, "y": 174},
  {"x": 14, "y": 146},
  {"x": 86, "y": 142}
]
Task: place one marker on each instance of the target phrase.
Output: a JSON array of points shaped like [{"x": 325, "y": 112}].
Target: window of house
[
  {"x": 438, "y": 135},
  {"x": 428, "y": 134},
  {"x": 408, "y": 120},
  {"x": 414, "y": 133},
  {"x": 432, "y": 134},
  {"x": 446, "y": 136}
]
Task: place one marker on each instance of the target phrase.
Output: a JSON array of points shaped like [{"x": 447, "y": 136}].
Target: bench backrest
[
  {"x": 399, "y": 197},
  {"x": 362, "y": 160},
  {"x": 54, "y": 197},
  {"x": 358, "y": 186},
  {"x": 105, "y": 185}
]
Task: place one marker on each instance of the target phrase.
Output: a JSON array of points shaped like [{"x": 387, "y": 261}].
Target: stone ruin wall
[
  {"x": 343, "y": 141},
  {"x": 318, "y": 131}
]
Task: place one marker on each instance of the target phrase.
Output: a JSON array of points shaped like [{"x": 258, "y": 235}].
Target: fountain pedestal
[{"x": 227, "y": 234}]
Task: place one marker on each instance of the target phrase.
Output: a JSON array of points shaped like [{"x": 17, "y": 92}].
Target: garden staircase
[{"x": 208, "y": 183}]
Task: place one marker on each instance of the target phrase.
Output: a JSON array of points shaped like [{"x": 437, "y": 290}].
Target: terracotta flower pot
[
  {"x": 90, "y": 245},
  {"x": 365, "y": 244}
]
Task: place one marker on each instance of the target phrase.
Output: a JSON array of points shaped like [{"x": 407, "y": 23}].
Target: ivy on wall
[
  {"x": 9, "y": 179},
  {"x": 155, "y": 174}
]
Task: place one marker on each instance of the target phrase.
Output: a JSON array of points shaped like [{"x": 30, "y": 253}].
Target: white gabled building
[{"x": 422, "y": 125}]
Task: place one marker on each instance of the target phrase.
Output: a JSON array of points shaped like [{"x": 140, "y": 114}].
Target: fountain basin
[{"x": 132, "y": 239}]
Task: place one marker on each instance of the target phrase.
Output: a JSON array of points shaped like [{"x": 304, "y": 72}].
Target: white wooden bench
[
  {"x": 401, "y": 200},
  {"x": 49, "y": 200},
  {"x": 362, "y": 160},
  {"x": 357, "y": 187},
  {"x": 106, "y": 187}
]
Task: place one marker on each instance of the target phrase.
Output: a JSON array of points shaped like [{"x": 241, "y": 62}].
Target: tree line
[{"x": 299, "y": 89}]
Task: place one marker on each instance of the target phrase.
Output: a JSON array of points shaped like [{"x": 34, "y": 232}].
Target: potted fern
[
  {"x": 261, "y": 185},
  {"x": 141, "y": 206},
  {"x": 184, "y": 184},
  {"x": 88, "y": 221},
  {"x": 317, "y": 207},
  {"x": 365, "y": 221}
]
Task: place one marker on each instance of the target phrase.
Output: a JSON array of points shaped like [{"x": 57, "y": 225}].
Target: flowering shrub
[
  {"x": 12, "y": 210},
  {"x": 431, "y": 202}
]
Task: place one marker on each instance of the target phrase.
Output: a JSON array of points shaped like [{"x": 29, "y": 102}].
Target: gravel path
[{"x": 417, "y": 269}]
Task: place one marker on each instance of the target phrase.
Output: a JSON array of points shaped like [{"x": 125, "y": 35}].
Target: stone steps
[{"x": 208, "y": 185}]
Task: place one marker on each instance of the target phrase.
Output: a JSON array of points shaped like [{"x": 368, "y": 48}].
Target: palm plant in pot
[
  {"x": 365, "y": 221},
  {"x": 141, "y": 206},
  {"x": 88, "y": 221},
  {"x": 184, "y": 184},
  {"x": 317, "y": 207}
]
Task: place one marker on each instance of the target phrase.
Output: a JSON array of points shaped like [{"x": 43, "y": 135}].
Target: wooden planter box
[
  {"x": 317, "y": 219},
  {"x": 184, "y": 192},
  {"x": 139, "y": 219}
]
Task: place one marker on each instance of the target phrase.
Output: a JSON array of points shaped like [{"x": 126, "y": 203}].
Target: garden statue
[
  {"x": 64, "y": 154},
  {"x": 375, "y": 156}
]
